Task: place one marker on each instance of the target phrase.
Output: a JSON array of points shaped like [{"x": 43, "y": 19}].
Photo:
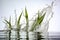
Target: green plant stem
[
  {"x": 9, "y": 34},
  {"x": 27, "y": 30},
  {"x": 18, "y": 34}
]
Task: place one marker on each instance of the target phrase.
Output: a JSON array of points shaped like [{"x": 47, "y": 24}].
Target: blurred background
[{"x": 7, "y": 8}]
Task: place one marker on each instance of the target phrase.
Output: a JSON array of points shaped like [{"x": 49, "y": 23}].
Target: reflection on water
[
  {"x": 5, "y": 37},
  {"x": 32, "y": 36},
  {"x": 32, "y": 39},
  {"x": 21, "y": 39}
]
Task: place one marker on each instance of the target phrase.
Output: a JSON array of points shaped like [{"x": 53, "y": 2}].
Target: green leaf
[
  {"x": 41, "y": 18},
  {"x": 37, "y": 22},
  {"x": 27, "y": 22},
  {"x": 18, "y": 21},
  {"x": 8, "y": 23},
  {"x": 26, "y": 14}
]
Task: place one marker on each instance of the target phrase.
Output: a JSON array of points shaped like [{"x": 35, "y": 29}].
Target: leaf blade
[{"x": 38, "y": 21}]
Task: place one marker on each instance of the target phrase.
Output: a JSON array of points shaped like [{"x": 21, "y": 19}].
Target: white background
[{"x": 7, "y": 8}]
